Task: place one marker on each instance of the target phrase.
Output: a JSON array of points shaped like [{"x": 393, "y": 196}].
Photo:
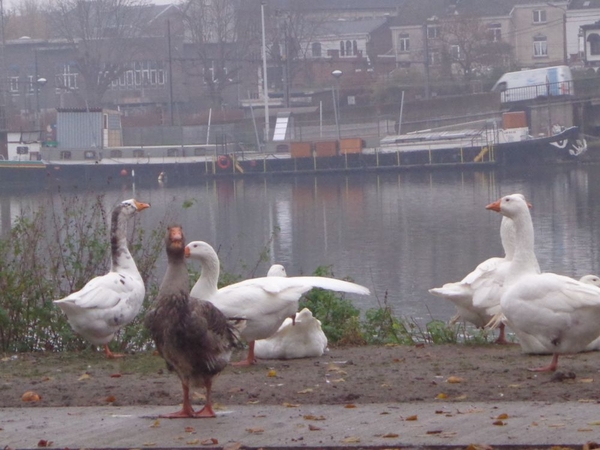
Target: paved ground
[{"x": 419, "y": 425}]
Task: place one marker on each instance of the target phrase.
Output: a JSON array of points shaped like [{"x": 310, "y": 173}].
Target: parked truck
[{"x": 535, "y": 83}]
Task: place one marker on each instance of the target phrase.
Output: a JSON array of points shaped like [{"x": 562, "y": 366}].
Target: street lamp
[{"x": 336, "y": 100}]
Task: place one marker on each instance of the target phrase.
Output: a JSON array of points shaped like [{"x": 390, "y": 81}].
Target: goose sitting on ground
[
  {"x": 561, "y": 313},
  {"x": 303, "y": 338},
  {"x": 194, "y": 338},
  {"x": 264, "y": 302},
  {"x": 109, "y": 302},
  {"x": 277, "y": 270},
  {"x": 477, "y": 296}
]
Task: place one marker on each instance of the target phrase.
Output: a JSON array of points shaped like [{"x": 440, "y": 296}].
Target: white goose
[
  {"x": 561, "y": 313},
  {"x": 302, "y": 338},
  {"x": 109, "y": 302},
  {"x": 477, "y": 296},
  {"x": 532, "y": 346},
  {"x": 264, "y": 302}
]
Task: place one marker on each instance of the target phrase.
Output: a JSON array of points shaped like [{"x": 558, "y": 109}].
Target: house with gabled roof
[{"x": 580, "y": 13}]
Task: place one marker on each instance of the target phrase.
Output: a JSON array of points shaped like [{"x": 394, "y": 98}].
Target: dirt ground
[{"x": 444, "y": 373}]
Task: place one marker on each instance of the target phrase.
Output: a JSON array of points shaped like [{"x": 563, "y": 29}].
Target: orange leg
[
  {"x": 186, "y": 411},
  {"x": 207, "y": 412},
  {"x": 502, "y": 336},
  {"x": 111, "y": 355},
  {"x": 550, "y": 368},
  {"x": 250, "y": 359}
]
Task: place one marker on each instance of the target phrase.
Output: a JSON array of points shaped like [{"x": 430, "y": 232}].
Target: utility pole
[
  {"x": 170, "y": 72},
  {"x": 265, "y": 83}
]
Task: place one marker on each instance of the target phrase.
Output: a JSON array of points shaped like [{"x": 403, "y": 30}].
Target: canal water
[{"x": 398, "y": 233}]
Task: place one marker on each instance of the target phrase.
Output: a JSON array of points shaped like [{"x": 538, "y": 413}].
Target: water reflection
[{"x": 397, "y": 233}]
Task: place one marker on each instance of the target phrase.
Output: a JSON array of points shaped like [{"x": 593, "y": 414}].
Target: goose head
[
  {"x": 174, "y": 240},
  {"x": 201, "y": 251},
  {"x": 131, "y": 206},
  {"x": 277, "y": 270},
  {"x": 509, "y": 205}
]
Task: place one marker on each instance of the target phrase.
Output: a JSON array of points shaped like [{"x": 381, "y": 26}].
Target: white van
[{"x": 534, "y": 83}]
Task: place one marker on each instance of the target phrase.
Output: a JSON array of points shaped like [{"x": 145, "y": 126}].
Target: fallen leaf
[
  {"x": 502, "y": 416},
  {"x": 351, "y": 440},
  {"x": 453, "y": 380},
  {"x": 193, "y": 442},
  {"x": 590, "y": 446},
  {"x": 584, "y": 429},
  {"x": 211, "y": 441},
  {"x": 110, "y": 399},
  {"x": 441, "y": 396},
  {"x": 305, "y": 391},
  {"x": 232, "y": 446},
  {"x": 412, "y": 418},
  {"x": 479, "y": 447},
  {"x": 514, "y": 385},
  {"x": 44, "y": 443},
  {"x": 311, "y": 417},
  {"x": 149, "y": 444},
  {"x": 390, "y": 435},
  {"x": 85, "y": 376},
  {"x": 339, "y": 380},
  {"x": 116, "y": 375},
  {"x": 291, "y": 405},
  {"x": 585, "y": 380},
  {"x": 272, "y": 373},
  {"x": 498, "y": 423},
  {"x": 190, "y": 430},
  {"x": 312, "y": 427},
  {"x": 255, "y": 430},
  {"x": 156, "y": 424},
  {"x": 350, "y": 406},
  {"x": 31, "y": 396},
  {"x": 235, "y": 390},
  {"x": 198, "y": 396},
  {"x": 461, "y": 397},
  {"x": 434, "y": 432},
  {"x": 595, "y": 422}
]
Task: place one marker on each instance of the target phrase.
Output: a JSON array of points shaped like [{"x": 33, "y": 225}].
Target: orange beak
[
  {"x": 494, "y": 206},
  {"x": 141, "y": 206}
]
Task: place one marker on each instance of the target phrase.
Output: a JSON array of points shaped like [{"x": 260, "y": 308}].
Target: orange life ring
[{"x": 224, "y": 162}]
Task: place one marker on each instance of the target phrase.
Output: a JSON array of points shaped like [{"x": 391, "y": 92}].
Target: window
[
  {"x": 22, "y": 150},
  {"x": 433, "y": 31},
  {"x": 316, "y": 49},
  {"x": 435, "y": 58},
  {"x": 89, "y": 154},
  {"x": 342, "y": 48},
  {"x": 539, "y": 16},
  {"x": 66, "y": 77},
  {"x": 138, "y": 153},
  {"x": 455, "y": 52},
  {"x": 172, "y": 152},
  {"x": 65, "y": 154},
  {"x": 14, "y": 85},
  {"x": 209, "y": 74},
  {"x": 540, "y": 47},
  {"x": 349, "y": 48},
  {"x": 594, "y": 40},
  {"x": 145, "y": 74},
  {"x": 495, "y": 32},
  {"x": 403, "y": 43},
  {"x": 116, "y": 153}
]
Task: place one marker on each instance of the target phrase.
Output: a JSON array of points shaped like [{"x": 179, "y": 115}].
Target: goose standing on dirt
[
  {"x": 109, "y": 302},
  {"x": 264, "y": 302},
  {"x": 561, "y": 313},
  {"x": 194, "y": 338},
  {"x": 477, "y": 296}
]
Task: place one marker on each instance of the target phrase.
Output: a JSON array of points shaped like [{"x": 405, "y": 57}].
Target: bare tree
[
  {"x": 470, "y": 46},
  {"x": 222, "y": 34},
  {"x": 104, "y": 35},
  {"x": 294, "y": 31},
  {"x": 25, "y": 18}
]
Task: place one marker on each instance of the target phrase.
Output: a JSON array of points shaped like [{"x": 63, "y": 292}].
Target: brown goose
[{"x": 193, "y": 336}]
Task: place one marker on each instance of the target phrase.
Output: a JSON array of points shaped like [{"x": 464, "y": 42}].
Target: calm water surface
[{"x": 397, "y": 233}]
